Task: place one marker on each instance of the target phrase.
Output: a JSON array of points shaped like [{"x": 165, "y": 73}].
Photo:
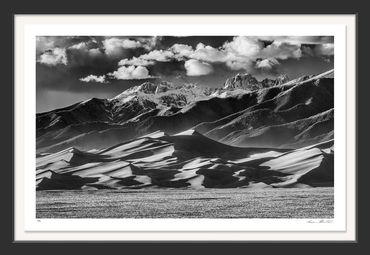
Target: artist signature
[{"x": 319, "y": 221}]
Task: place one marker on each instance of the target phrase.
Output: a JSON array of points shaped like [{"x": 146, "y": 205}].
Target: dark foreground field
[{"x": 207, "y": 203}]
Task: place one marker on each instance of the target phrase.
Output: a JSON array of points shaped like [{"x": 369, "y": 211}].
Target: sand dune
[{"x": 185, "y": 160}]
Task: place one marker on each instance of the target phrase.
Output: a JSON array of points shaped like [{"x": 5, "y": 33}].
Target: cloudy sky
[{"x": 75, "y": 68}]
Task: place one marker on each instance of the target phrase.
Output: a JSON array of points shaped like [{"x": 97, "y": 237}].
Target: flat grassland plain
[{"x": 175, "y": 203}]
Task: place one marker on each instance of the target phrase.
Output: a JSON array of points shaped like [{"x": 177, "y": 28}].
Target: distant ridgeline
[{"x": 296, "y": 113}]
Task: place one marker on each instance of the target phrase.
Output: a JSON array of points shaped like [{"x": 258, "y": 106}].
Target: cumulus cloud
[
  {"x": 237, "y": 54},
  {"x": 114, "y": 46},
  {"x": 182, "y": 52},
  {"x": 79, "y": 46},
  {"x": 197, "y": 68},
  {"x": 135, "y": 62},
  {"x": 240, "y": 53},
  {"x": 94, "y": 78},
  {"x": 208, "y": 53},
  {"x": 244, "y": 46},
  {"x": 159, "y": 55},
  {"x": 84, "y": 48},
  {"x": 137, "y": 54},
  {"x": 131, "y": 73},
  {"x": 54, "y": 57},
  {"x": 281, "y": 50},
  {"x": 182, "y": 49}
]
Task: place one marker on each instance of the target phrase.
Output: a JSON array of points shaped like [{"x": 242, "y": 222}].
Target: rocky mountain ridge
[{"x": 296, "y": 113}]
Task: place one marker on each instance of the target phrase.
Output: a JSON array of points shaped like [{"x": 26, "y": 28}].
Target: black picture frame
[{"x": 190, "y": 7}]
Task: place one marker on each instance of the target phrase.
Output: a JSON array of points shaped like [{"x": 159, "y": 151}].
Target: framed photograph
[{"x": 185, "y": 128}]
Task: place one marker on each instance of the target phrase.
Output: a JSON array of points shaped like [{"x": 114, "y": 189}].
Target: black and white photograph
[{"x": 185, "y": 127}]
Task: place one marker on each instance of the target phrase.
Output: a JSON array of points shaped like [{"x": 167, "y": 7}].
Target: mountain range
[{"x": 297, "y": 113}]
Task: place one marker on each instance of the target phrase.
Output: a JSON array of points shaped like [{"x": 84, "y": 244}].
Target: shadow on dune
[{"x": 187, "y": 160}]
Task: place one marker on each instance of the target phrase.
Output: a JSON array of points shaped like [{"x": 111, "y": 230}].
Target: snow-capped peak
[{"x": 245, "y": 81}]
